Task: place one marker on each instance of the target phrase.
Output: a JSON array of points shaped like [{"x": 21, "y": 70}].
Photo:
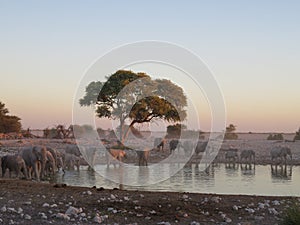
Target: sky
[{"x": 251, "y": 47}]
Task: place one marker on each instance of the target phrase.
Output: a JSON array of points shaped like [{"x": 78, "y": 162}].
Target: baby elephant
[{"x": 13, "y": 163}]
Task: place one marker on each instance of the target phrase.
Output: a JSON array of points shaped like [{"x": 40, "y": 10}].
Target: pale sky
[{"x": 251, "y": 47}]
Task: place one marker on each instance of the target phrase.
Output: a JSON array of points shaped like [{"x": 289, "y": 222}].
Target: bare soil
[{"x": 131, "y": 207}]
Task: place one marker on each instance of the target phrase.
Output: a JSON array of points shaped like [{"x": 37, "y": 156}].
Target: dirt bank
[{"x": 28, "y": 202}]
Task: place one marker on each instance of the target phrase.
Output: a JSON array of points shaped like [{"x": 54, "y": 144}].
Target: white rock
[
  {"x": 53, "y": 205},
  {"x": 276, "y": 202},
  {"x": 27, "y": 217},
  {"x": 110, "y": 209},
  {"x": 142, "y": 196},
  {"x": 97, "y": 219},
  {"x": 43, "y": 216},
  {"x": 152, "y": 212},
  {"x": 73, "y": 211},
  {"x": 43, "y": 196},
  {"x": 227, "y": 220},
  {"x": 3, "y": 209},
  {"x": 273, "y": 211},
  {"x": 89, "y": 192},
  {"x": 194, "y": 223},
  {"x": 62, "y": 216},
  {"x": 46, "y": 205},
  {"x": 261, "y": 205},
  {"x": 249, "y": 210},
  {"x": 20, "y": 210},
  {"x": 112, "y": 197},
  {"x": 185, "y": 196},
  {"x": 163, "y": 223},
  {"x": 216, "y": 199},
  {"x": 126, "y": 198},
  {"x": 12, "y": 210},
  {"x": 235, "y": 208},
  {"x": 82, "y": 214},
  {"x": 27, "y": 203}
]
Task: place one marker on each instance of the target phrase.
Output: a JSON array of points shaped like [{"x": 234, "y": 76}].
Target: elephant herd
[
  {"x": 278, "y": 154},
  {"x": 40, "y": 161}
]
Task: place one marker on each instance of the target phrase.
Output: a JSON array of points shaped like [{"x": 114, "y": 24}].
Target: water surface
[{"x": 220, "y": 179}]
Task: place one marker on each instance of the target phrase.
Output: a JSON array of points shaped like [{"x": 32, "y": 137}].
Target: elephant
[
  {"x": 173, "y": 145},
  {"x": 70, "y": 161},
  {"x": 247, "y": 156},
  {"x": 35, "y": 159},
  {"x": 231, "y": 155},
  {"x": 50, "y": 167},
  {"x": 13, "y": 163},
  {"x": 58, "y": 158},
  {"x": 200, "y": 147},
  {"x": 73, "y": 149},
  {"x": 280, "y": 152},
  {"x": 143, "y": 157}
]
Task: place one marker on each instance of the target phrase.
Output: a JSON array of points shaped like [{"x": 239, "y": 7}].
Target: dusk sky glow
[{"x": 252, "y": 49}]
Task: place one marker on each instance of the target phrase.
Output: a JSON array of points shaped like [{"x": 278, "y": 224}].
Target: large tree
[
  {"x": 135, "y": 98},
  {"x": 8, "y": 123}
]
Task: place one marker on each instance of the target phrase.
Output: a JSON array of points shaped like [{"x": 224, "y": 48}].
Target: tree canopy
[
  {"x": 135, "y": 98},
  {"x": 8, "y": 123}
]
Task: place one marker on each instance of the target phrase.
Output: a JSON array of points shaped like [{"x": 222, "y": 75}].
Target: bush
[
  {"x": 275, "y": 137},
  {"x": 297, "y": 135},
  {"x": 291, "y": 216}
]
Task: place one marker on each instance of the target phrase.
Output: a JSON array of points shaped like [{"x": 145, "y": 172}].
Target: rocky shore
[{"x": 28, "y": 202}]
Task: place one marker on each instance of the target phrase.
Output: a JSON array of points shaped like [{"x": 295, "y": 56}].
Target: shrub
[
  {"x": 291, "y": 216},
  {"x": 297, "y": 135},
  {"x": 275, "y": 137}
]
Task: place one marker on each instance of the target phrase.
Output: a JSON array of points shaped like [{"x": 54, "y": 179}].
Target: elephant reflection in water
[
  {"x": 248, "y": 169},
  {"x": 281, "y": 172},
  {"x": 209, "y": 171}
]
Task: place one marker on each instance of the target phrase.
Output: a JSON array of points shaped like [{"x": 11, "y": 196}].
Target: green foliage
[
  {"x": 291, "y": 216},
  {"x": 275, "y": 137},
  {"x": 229, "y": 133},
  {"x": 8, "y": 123},
  {"x": 297, "y": 135},
  {"x": 141, "y": 102}
]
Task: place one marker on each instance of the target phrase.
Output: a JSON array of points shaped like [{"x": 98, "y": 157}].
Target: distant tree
[
  {"x": 8, "y": 123},
  {"x": 230, "y": 132},
  {"x": 297, "y": 135},
  {"x": 275, "y": 137},
  {"x": 105, "y": 96},
  {"x": 174, "y": 131}
]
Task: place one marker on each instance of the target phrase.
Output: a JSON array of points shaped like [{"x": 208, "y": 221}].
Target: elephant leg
[
  {"x": 36, "y": 170},
  {"x": 25, "y": 172}
]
